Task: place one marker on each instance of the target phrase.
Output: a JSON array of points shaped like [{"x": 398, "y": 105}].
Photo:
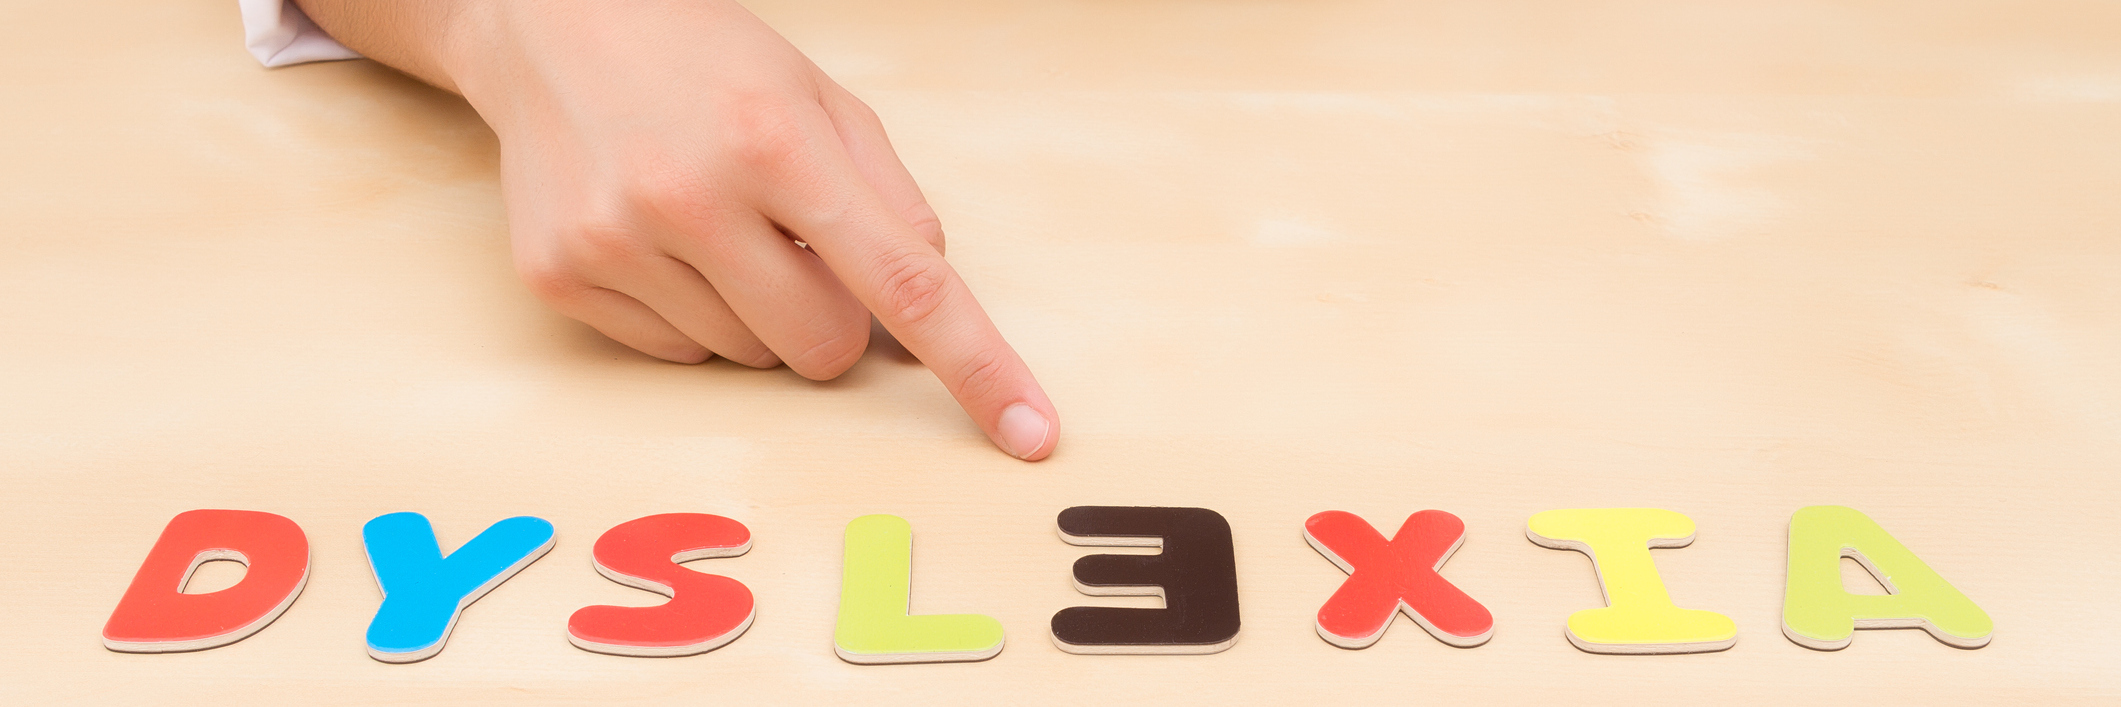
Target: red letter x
[{"x": 1398, "y": 575}]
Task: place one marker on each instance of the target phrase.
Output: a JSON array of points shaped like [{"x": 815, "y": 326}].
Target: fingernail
[{"x": 1023, "y": 430}]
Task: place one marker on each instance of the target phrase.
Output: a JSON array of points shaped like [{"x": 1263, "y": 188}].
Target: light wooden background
[{"x": 1270, "y": 257}]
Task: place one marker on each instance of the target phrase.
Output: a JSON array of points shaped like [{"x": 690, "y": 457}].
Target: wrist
[
  {"x": 424, "y": 38},
  {"x": 500, "y": 54},
  {"x": 464, "y": 44}
]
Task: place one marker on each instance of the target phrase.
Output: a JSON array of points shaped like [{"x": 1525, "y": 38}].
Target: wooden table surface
[{"x": 1270, "y": 257}]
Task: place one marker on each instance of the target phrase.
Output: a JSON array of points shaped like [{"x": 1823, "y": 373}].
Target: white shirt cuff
[{"x": 278, "y": 34}]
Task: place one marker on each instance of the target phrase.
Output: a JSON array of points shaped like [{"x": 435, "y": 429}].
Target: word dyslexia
[{"x": 426, "y": 591}]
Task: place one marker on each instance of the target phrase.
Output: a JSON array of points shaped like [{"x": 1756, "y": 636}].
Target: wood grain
[{"x": 1270, "y": 257}]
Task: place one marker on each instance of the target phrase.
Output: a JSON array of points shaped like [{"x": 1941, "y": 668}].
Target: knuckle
[
  {"x": 862, "y": 112},
  {"x": 983, "y": 377},
  {"x": 913, "y": 287},
  {"x": 771, "y": 135},
  {"x": 604, "y": 246},
  {"x": 672, "y": 194},
  {"x": 924, "y": 222},
  {"x": 833, "y": 353},
  {"x": 549, "y": 280}
]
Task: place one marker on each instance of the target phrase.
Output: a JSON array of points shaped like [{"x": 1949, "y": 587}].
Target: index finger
[{"x": 917, "y": 296}]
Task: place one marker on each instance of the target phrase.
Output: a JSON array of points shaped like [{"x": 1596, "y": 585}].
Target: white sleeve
[{"x": 278, "y": 34}]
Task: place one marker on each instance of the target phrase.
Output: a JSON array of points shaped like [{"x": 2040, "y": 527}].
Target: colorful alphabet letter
[
  {"x": 156, "y": 616},
  {"x": 705, "y": 611},
  {"x": 1639, "y": 616},
  {"x": 1196, "y": 574},
  {"x": 1399, "y": 575},
  {"x": 876, "y": 596},
  {"x": 1817, "y": 612},
  {"x": 424, "y": 592}
]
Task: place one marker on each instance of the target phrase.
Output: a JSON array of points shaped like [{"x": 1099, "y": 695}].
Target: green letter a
[{"x": 1818, "y": 613}]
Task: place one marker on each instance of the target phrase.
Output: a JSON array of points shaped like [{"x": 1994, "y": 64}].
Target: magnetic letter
[
  {"x": 705, "y": 611},
  {"x": 1639, "y": 616},
  {"x": 876, "y": 594},
  {"x": 424, "y": 592},
  {"x": 1196, "y": 575},
  {"x": 156, "y": 616},
  {"x": 1395, "y": 576},
  {"x": 1818, "y": 613}
]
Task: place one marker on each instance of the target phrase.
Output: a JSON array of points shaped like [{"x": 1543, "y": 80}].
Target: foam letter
[
  {"x": 705, "y": 611},
  {"x": 1817, "y": 612},
  {"x": 424, "y": 592},
  {"x": 1639, "y": 616},
  {"x": 155, "y": 616},
  {"x": 1196, "y": 575},
  {"x": 1395, "y": 576},
  {"x": 876, "y": 596}
]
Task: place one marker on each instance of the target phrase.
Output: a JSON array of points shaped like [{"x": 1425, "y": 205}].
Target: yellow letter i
[{"x": 1639, "y": 616}]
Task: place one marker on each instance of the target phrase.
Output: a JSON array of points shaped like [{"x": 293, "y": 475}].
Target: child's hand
[{"x": 660, "y": 160}]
